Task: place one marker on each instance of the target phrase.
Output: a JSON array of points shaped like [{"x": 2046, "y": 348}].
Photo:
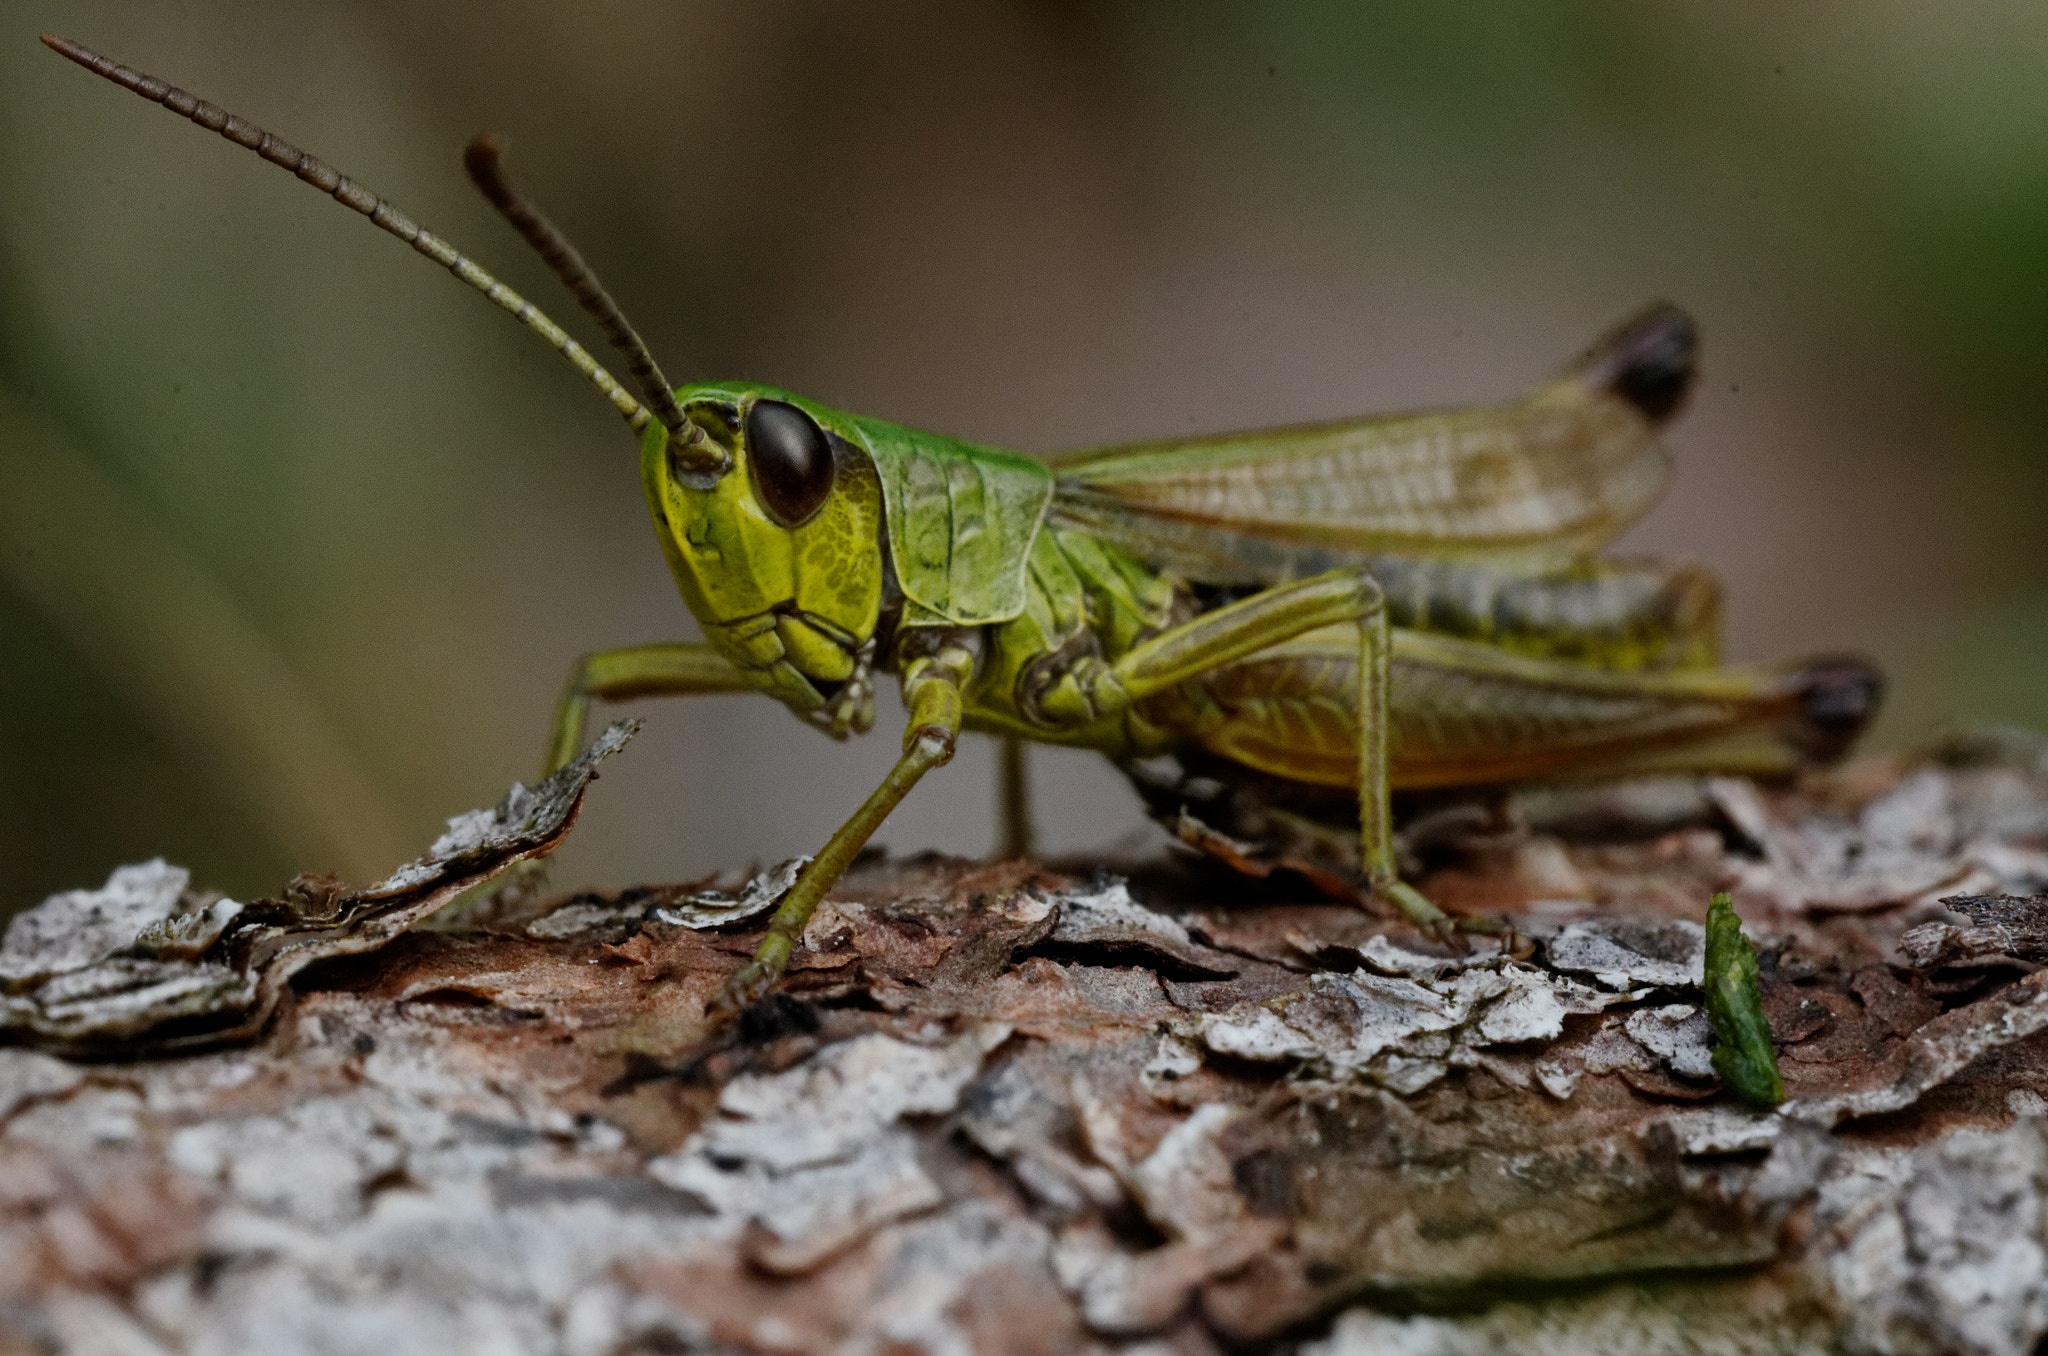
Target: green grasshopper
[{"x": 1342, "y": 608}]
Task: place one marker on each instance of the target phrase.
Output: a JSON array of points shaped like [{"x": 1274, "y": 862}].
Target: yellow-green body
[
  {"x": 1407, "y": 600},
  {"x": 1399, "y": 602},
  {"x": 1511, "y": 657}
]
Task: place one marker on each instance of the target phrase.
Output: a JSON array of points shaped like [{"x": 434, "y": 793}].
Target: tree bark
[{"x": 1002, "y": 1107}]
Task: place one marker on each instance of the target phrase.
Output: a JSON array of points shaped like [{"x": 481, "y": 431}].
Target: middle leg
[{"x": 1013, "y": 800}]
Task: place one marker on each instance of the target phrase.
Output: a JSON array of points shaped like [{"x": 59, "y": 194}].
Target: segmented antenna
[
  {"x": 351, "y": 194},
  {"x": 484, "y": 159}
]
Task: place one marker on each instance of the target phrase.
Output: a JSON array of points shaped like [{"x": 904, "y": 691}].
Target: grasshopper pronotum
[{"x": 1407, "y": 601}]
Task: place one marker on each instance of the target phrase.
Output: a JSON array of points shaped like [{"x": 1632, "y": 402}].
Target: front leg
[
  {"x": 932, "y": 689},
  {"x": 676, "y": 669},
  {"x": 1265, "y": 619}
]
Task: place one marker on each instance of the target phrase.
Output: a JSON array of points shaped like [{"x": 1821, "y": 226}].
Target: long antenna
[
  {"x": 351, "y": 194},
  {"x": 484, "y": 159}
]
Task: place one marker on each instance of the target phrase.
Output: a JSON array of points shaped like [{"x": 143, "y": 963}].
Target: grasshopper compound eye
[{"x": 791, "y": 461}]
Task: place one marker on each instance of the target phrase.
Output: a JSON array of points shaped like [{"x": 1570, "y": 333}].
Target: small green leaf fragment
[{"x": 1743, "y": 1053}]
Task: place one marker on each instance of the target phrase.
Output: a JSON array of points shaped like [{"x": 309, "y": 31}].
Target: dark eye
[{"x": 791, "y": 461}]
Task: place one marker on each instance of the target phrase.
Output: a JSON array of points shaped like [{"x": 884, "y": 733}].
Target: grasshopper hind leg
[
  {"x": 1285, "y": 731},
  {"x": 1374, "y": 718},
  {"x": 1349, "y": 725}
]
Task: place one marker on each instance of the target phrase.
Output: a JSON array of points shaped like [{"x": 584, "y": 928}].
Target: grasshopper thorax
[{"x": 777, "y": 553}]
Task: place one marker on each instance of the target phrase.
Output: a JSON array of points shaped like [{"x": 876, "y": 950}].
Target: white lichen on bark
[{"x": 1002, "y": 1109}]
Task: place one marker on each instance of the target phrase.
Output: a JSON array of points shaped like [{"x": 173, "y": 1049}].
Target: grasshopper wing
[{"x": 1530, "y": 485}]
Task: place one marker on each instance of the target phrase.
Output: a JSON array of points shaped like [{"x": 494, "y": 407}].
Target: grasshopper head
[{"x": 772, "y": 526}]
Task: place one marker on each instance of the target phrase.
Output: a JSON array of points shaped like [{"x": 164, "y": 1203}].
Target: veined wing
[{"x": 1532, "y": 484}]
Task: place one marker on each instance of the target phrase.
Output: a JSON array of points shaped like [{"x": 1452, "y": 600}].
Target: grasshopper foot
[
  {"x": 1420, "y": 911},
  {"x": 1439, "y": 926},
  {"x": 749, "y": 985},
  {"x": 1514, "y": 943},
  {"x": 1432, "y": 922}
]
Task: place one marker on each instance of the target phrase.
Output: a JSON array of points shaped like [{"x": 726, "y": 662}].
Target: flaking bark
[{"x": 999, "y": 1107}]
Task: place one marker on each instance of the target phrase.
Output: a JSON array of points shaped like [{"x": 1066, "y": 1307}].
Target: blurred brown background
[{"x": 298, "y": 537}]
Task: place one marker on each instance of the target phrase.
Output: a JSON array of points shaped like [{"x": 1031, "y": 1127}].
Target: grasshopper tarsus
[
  {"x": 744, "y": 990},
  {"x": 775, "y": 1015}
]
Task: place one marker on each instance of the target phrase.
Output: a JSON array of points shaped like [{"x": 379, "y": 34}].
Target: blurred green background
[{"x": 298, "y": 537}]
